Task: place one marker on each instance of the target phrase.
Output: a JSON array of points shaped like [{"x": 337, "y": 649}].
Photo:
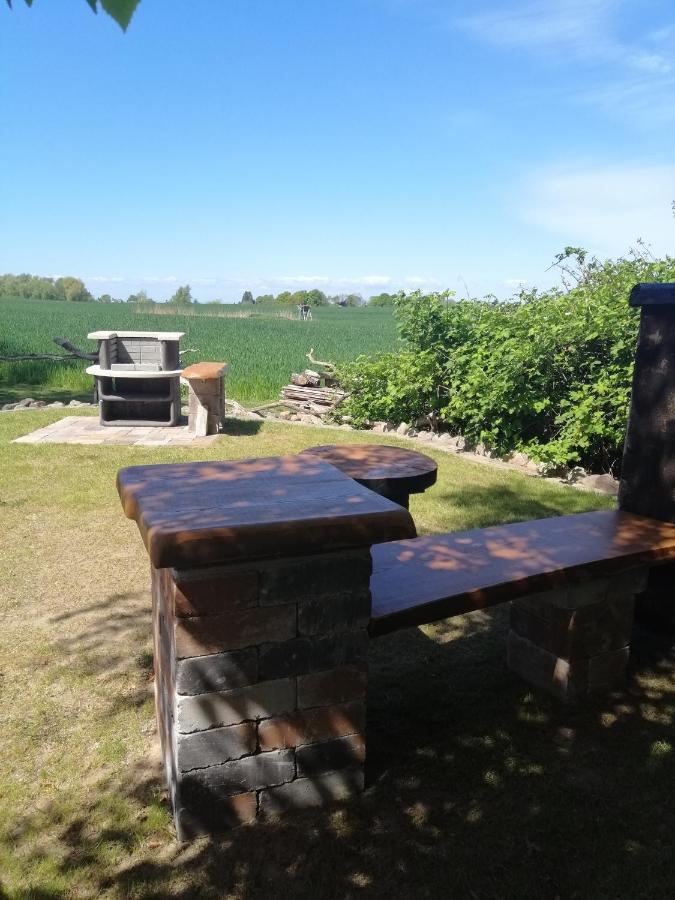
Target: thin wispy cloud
[
  {"x": 604, "y": 208},
  {"x": 587, "y": 29},
  {"x": 631, "y": 77}
]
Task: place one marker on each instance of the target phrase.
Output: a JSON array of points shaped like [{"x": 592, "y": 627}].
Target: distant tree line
[
  {"x": 316, "y": 297},
  {"x": 37, "y": 287}
]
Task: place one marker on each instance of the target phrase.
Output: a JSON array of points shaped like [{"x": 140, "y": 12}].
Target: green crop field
[{"x": 263, "y": 346}]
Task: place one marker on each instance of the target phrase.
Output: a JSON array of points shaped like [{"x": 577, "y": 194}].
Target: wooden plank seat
[{"x": 424, "y": 579}]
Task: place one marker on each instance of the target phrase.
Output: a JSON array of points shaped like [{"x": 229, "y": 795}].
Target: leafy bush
[{"x": 548, "y": 374}]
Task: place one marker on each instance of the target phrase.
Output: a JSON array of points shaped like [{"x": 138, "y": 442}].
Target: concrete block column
[
  {"x": 206, "y": 399},
  {"x": 575, "y": 641},
  {"x": 261, "y": 600},
  {"x": 261, "y": 678}
]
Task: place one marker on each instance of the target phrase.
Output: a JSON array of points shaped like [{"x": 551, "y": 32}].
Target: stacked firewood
[{"x": 313, "y": 392}]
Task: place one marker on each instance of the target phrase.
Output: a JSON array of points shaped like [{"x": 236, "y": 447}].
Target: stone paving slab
[{"x": 88, "y": 430}]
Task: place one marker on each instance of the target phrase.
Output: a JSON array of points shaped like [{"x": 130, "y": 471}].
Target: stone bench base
[
  {"x": 574, "y": 642},
  {"x": 260, "y": 676}
]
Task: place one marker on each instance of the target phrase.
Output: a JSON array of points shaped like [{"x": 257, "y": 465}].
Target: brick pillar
[
  {"x": 575, "y": 641},
  {"x": 260, "y": 678}
]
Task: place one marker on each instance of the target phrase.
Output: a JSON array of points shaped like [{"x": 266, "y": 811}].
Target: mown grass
[{"x": 478, "y": 786}]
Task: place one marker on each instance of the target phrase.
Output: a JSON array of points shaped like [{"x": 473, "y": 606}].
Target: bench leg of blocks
[
  {"x": 575, "y": 642},
  {"x": 260, "y": 680},
  {"x": 206, "y": 406}
]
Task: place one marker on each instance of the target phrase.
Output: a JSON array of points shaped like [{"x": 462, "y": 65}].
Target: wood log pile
[{"x": 313, "y": 392}]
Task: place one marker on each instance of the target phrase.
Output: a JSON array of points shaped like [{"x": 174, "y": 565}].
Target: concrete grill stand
[
  {"x": 138, "y": 377},
  {"x": 261, "y": 600}
]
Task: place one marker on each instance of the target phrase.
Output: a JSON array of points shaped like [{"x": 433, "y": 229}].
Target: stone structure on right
[{"x": 648, "y": 469}]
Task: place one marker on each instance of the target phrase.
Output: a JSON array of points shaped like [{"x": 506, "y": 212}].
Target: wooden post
[{"x": 648, "y": 468}]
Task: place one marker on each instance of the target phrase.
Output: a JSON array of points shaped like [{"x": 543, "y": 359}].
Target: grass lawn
[{"x": 478, "y": 786}]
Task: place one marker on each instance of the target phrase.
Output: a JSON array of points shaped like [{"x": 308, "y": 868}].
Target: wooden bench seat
[{"x": 425, "y": 579}]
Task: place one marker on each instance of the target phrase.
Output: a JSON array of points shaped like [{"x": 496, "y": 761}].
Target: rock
[
  {"x": 284, "y": 414},
  {"x": 75, "y": 403},
  {"x": 605, "y": 483},
  {"x": 57, "y": 404},
  {"x": 518, "y": 459},
  {"x": 8, "y": 406},
  {"x": 38, "y": 404},
  {"x": 379, "y": 427},
  {"x": 346, "y": 427},
  {"x": 390, "y": 427},
  {"x": 309, "y": 419},
  {"x": 403, "y": 429},
  {"x": 294, "y": 417},
  {"x": 576, "y": 473},
  {"x": 24, "y": 404},
  {"x": 425, "y": 436},
  {"x": 445, "y": 439}
]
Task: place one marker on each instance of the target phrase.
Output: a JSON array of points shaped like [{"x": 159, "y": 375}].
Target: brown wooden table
[{"x": 391, "y": 472}]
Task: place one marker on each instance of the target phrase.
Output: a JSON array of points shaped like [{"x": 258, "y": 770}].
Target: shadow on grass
[
  {"x": 478, "y": 787},
  {"x": 241, "y": 427}
]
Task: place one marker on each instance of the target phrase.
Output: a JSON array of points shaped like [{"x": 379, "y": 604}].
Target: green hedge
[{"x": 548, "y": 374}]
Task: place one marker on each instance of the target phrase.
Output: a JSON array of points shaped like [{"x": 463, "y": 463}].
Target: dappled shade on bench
[
  {"x": 392, "y": 472},
  {"x": 429, "y": 578},
  {"x": 213, "y": 512}
]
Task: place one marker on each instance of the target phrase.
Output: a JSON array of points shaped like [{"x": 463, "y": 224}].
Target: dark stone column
[{"x": 648, "y": 468}]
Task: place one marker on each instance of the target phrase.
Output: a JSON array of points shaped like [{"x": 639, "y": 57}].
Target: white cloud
[
  {"x": 646, "y": 102},
  {"x": 606, "y": 209},
  {"x": 516, "y": 282},
  {"x": 631, "y": 79},
  {"x": 302, "y": 279},
  {"x": 577, "y": 25},
  {"x": 374, "y": 280},
  {"x": 158, "y": 279},
  {"x": 108, "y": 279}
]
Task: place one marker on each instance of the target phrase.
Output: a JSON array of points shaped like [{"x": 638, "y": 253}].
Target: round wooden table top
[{"x": 379, "y": 466}]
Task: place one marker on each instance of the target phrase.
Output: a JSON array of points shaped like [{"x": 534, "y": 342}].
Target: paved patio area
[{"x": 88, "y": 430}]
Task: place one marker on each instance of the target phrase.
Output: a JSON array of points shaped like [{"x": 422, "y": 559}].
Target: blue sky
[{"x": 362, "y": 145}]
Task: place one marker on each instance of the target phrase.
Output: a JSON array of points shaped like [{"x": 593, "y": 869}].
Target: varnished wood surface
[
  {"x": 205, "y": 370},
  {"x": 192, "y": 514},
  {"x": 379, "y": 466},
  {"x": 430, "y": 578}
]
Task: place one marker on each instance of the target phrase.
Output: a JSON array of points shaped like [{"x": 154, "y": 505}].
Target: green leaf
[{"x": 120, "y": 10}]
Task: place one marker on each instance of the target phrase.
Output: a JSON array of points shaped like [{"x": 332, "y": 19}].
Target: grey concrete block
[
  {"x": 305, "y": 793},
  {"x": 313, "y": 577},
  {"x": 312, "y": 654},
  {"x": 257, "y": 701},
  {"x": 329, "y": 756},
  {"x": 340, "y": 612},
  {"x": 252, "y": 773},
  {"x": 217, "y": 672},
  {"x": 216, "y": 746}
]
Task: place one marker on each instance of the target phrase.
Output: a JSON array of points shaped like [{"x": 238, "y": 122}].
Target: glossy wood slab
[
  {"x": 205, "y": 370},
  {"x": 195, "y": 514},
  {"x": 430, "y": 578},
  {"x": 380, "y": 465}
]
